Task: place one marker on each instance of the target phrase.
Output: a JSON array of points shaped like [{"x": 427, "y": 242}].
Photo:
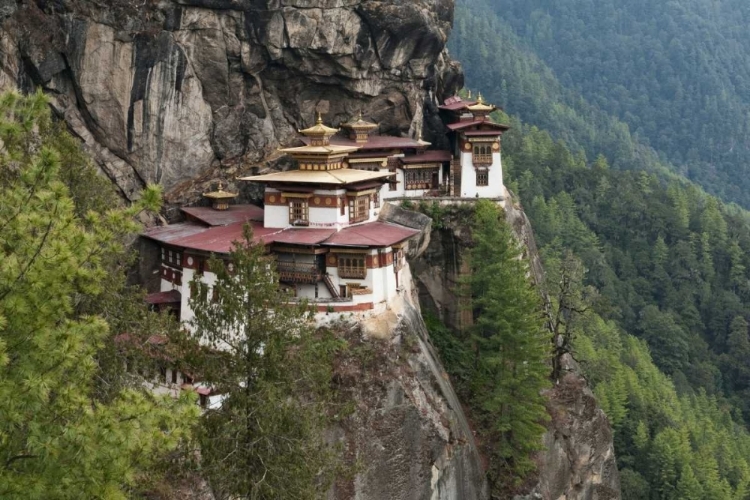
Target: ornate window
[
  {"x": 359, "y": 208},
  {"x": 352, "y": 266},
  {"x": 482, "y": 154},
  {"x": 299, "y": 211},
  {"x": 418, "y": 178},
  {"x": 483, "y": 177}
]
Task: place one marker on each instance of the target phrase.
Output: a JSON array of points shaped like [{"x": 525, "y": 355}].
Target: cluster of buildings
[{"x": 321, "y": 220}]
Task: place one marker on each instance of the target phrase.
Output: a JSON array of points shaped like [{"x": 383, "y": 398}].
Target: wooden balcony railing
[
  {"x": 292, "y": 272},
  {"x": 482, "y": 159}
]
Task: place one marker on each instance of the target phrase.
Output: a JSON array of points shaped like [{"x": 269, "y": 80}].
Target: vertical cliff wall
[
  {"x": 578, "y": 462},
  {"x": 182, "y": 91}
]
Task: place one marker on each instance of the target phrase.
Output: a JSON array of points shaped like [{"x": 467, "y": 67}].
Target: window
[
  {"x": 174, "y": 376},
  {"x": 376, "y": 199},
  {"x": 483, "y": 177},
  {"x": 418, "y": 178},
  {"x": 482, "y": 154},
  {"x": 352, "y": 266},
  {"x": 298, "y": 212},
  {"x": 359, "y": 208}
]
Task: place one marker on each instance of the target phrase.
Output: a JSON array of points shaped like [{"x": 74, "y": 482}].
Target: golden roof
[
  {"x": 220, "y": 194},
  {"x": 338, "y": 177},
  {"x": 329, "y": 149},
  {"x": 319, "y": 129},
  {"x": 361, "y": 124},
  {"x": 481, "y": 105}
]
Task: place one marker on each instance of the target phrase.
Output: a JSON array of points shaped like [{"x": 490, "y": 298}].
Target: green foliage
[
  {"x": 665, "y": 267},
  {"x": 266, "y": 440},
  {"x": 502, "y": 365},
  {"x": 58, "y": 440},
  {"x": 660, "y": 86}
]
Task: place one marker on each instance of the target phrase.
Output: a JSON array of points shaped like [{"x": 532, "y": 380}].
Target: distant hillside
[{"x": 619, "y": 77}]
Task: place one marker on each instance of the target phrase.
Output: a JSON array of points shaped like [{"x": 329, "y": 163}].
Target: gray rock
[{"x": 179, "y": 88}]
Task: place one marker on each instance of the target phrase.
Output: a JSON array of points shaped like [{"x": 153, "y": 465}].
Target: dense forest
[
  {"x": 610, "y": 106},
  {"x": 648, "y": 84}
]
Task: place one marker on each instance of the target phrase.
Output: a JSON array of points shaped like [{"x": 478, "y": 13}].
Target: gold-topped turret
[
  {"x": 481, "y": 108},
  {"x": 319, "y": 134},
  {"x": 220, "y": 199},
  {"x": 360, "y": 129}
]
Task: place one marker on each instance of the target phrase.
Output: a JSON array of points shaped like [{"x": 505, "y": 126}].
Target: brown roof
[
  {"x": 436, "y": 156},
  {"x": 455, "y": 103},
  {"x": 235, "y": 213},
  {"x": 303, "y": 236},
  {"x": 474, "y": 123},
  {"x": 217, "y": 239},
  {"x": 170, "y": 297},
  {"x": 371, "y": 234}
]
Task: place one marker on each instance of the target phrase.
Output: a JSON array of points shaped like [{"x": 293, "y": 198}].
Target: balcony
[
  {"x": 482, "y": 159},
  {"x": 292, "y": 272}
]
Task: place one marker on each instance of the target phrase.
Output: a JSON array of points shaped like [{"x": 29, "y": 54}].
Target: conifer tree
[
  {"x": 57, "y": 440},
  {"x": 512, "y": 348},
  {"x": 261, "y": 354}
]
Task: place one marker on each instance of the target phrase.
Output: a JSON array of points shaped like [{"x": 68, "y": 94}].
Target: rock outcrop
[
  {"x": 407, "y": 432},
  {"x": 578, "y": 462},
  {"x": 180, "y": 92}
]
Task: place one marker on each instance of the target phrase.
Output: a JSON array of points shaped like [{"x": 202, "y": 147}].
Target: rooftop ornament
[
  {"x": 481, "y": 108},
  {"x": 319, "y": 134},
  {"x": 220, "y": 199},
  {"x": 360, "y": 128}
]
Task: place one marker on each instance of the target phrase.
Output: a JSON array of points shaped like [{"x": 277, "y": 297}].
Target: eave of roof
[
  {"x": 338, "y": 177},
  {"x": 235, "y": 213},
  {"x": 435, "y": 156},
  {"x": 474, "y": 123},
  {"x": 371, "y": 234}
]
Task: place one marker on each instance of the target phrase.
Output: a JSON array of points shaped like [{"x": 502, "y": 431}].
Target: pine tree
[
  {"x": 265, "y": 440},
  {"x": 512, "y": 348},
  {"x": 57, "y": 440}
]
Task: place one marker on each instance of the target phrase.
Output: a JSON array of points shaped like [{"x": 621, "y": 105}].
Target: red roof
[
  {"x": 301, "y": 236},
  {"x": 372, "y": 234},
  {"x": 474, "y": 123},
  {"x": 218, "y": 239},
  {"x": 170, "y": 297},
  {"x": 173, "y": 232},
  {"x": 236, "y": 213},
  {"x": 437, "y": 156},
  {"x": 455, "y": 103}
]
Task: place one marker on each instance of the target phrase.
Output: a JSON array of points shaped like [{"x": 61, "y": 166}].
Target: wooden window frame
[
  {"x": 359, "y": 208},
  {"x": 299, "y": 212},
  {"x": 483, "y": 178},
  {"x": 352, "y": 266}
]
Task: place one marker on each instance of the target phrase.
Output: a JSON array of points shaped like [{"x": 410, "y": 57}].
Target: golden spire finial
[
  {"x": 480, "y": 99},
  {"x": 360, "y": 115},
  {"x": 320, "y": 118},
  {"x": 221, "y": 186},
  {"x": 469, "y": 96}
]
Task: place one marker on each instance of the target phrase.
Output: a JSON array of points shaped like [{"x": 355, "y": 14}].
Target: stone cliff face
[
  {"x": 578, "y": 462},
  {"x": 180, "y": 92},
  {"x": 407, "y": 432}
]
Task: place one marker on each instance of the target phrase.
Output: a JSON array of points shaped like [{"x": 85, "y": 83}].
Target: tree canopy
[{"x": 58, "y": 438}]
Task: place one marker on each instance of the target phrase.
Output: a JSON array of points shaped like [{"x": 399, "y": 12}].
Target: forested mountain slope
[
  {"x": 614, "y": 77},
  {"x": 656, "y": 295}
]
